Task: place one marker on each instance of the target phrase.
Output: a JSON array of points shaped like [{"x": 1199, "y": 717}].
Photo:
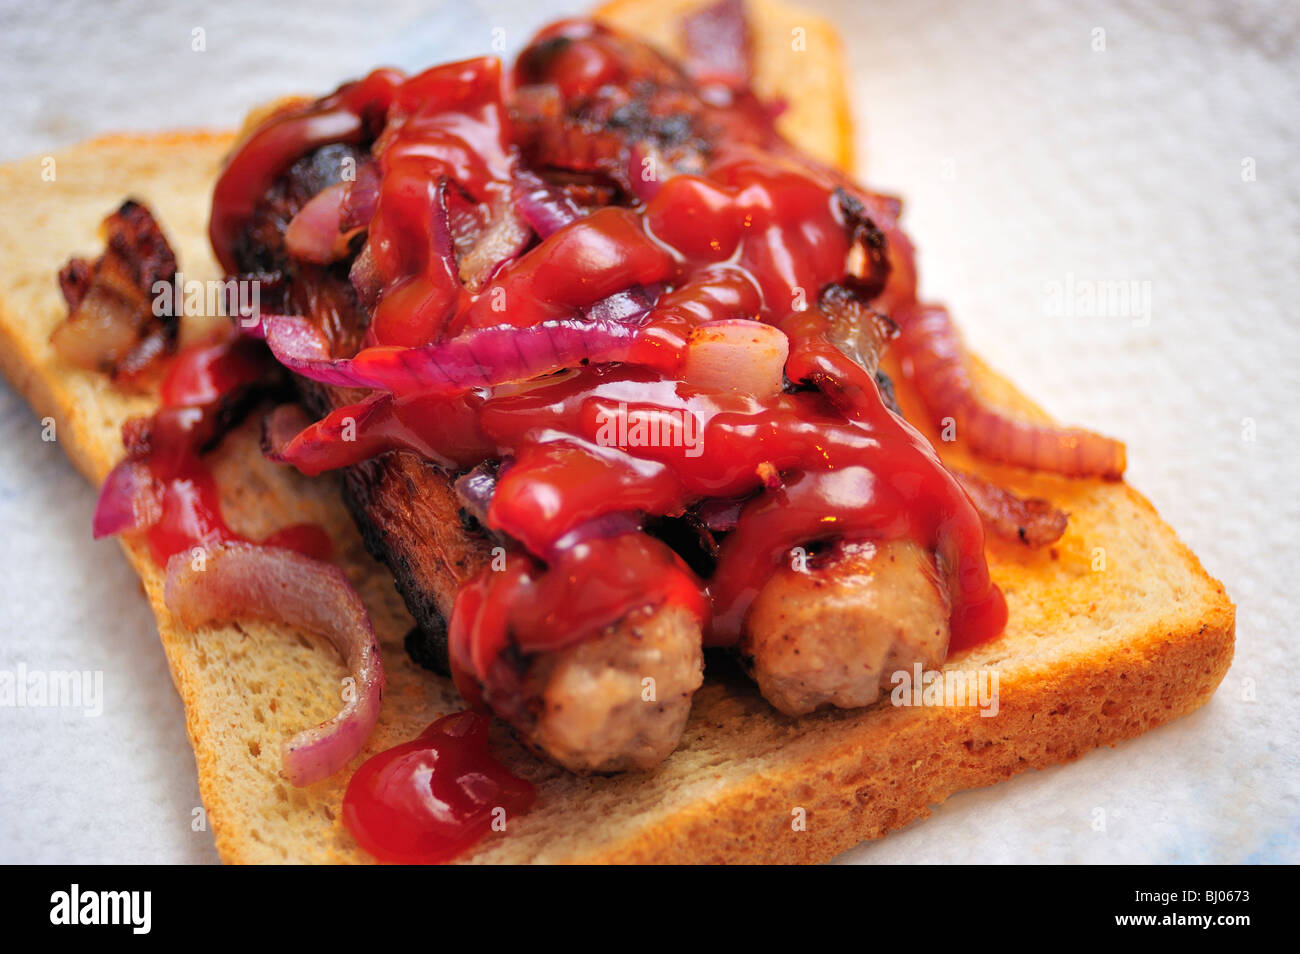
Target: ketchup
[
  {"x": 202, "y": 383},
  {"x": 428, "y": 800},
  {"x": 748, "y": 229},
  {"x": 758, "y": 233},
  {"x": 586, "y": 587}
]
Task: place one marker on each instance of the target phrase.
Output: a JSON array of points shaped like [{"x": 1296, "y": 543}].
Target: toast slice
[{"x": 1113, "y": 631}]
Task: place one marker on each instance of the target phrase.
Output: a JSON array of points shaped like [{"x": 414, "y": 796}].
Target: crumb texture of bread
[{"x": 1114, "y": 630}]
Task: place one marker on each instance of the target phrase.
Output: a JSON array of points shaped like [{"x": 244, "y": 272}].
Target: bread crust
[{"x": 1114, "y": 630}]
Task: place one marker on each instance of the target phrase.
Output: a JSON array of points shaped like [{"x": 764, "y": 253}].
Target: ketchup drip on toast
[
  {"x": 199, "y": 388},
  {"x": 427, "y": 800}
]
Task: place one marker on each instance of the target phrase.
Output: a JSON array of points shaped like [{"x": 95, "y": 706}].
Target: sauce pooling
[{"x": 427, "y": 800}]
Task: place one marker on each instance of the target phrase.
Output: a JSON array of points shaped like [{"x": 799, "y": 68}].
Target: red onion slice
[
  {"x": 721, "y": 514},
  {"x": 481, "y": 358},
  {"x": 545, "y": 207},
  {"x": 280, "y": 426},
  {"x": 625, "y": 306},
  {"x": 475, "y": 489},
  {"x": 315, "y": 234},
  {"x": 361, "y": 200},
  {"x": 244, "y": 580},
  {"x": 603, "y": 527},
  {"x": 934, "y": 360},
  {"x": 299, "y": 346},
  {"x": 128, "y": 502},
  {"x": 646, "y": 171}
]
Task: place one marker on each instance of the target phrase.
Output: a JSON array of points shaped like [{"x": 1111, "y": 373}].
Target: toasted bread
[{"x": 1113, "y": 631}]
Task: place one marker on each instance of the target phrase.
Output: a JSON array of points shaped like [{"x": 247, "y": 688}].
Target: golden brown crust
[{"x": 1115, "y": 630}]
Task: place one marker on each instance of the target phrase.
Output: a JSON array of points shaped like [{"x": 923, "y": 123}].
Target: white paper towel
[{"x": 1033, "y": 152}]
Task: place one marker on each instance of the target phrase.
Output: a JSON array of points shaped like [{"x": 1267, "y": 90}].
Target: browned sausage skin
[
  {"x": 588, "y": 707},
  {"x": 829, "y": 629},
  {"x": 620, "y": 700}
]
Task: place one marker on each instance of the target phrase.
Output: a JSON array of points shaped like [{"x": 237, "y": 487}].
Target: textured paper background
[{"x": 1026, "y": 157}]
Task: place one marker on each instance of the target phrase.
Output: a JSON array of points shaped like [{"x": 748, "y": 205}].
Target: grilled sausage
[
  {"x": 585, "y": 706},
  {"x": 829, "y": 632},
  {"x": 619, "y": 700}
]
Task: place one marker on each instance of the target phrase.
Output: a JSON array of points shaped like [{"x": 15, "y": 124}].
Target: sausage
[
  {"x": 584, "y": 706},
  {"x": 409, "y": 517},
  {"x": 830, "y": 630},
  {"x": 619, "y": 700}
]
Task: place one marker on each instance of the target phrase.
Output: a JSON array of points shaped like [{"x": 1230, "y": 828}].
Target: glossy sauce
[
  {"x": 759, "y": 233},
  {"x": 577, "y": 456},
  {"x": 428, "y": 800},
  {"x": 201, "y": 378}
]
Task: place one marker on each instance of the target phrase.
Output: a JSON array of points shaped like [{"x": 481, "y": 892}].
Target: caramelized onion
[
  {"x": 249, "y": 581},
  {"x": 857, "y": 330},
  {"x": 505, "y": 235},
  {"x": 1031, "y": 520},
  {"x": 365, "y": 278},
  {"x": 117, "y": 321},
  {"x": 933, "y": 359}
]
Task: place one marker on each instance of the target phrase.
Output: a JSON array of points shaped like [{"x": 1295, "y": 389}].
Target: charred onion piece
[
  {"x": 1031, "y": 520},
  {"x": 112, "y": 325},
  {"x": 933, "y": 359},
  {"x": 859, "y": 331},
  {"x": 869, "y": 263},
  {"x": 250, "y": 581}
]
